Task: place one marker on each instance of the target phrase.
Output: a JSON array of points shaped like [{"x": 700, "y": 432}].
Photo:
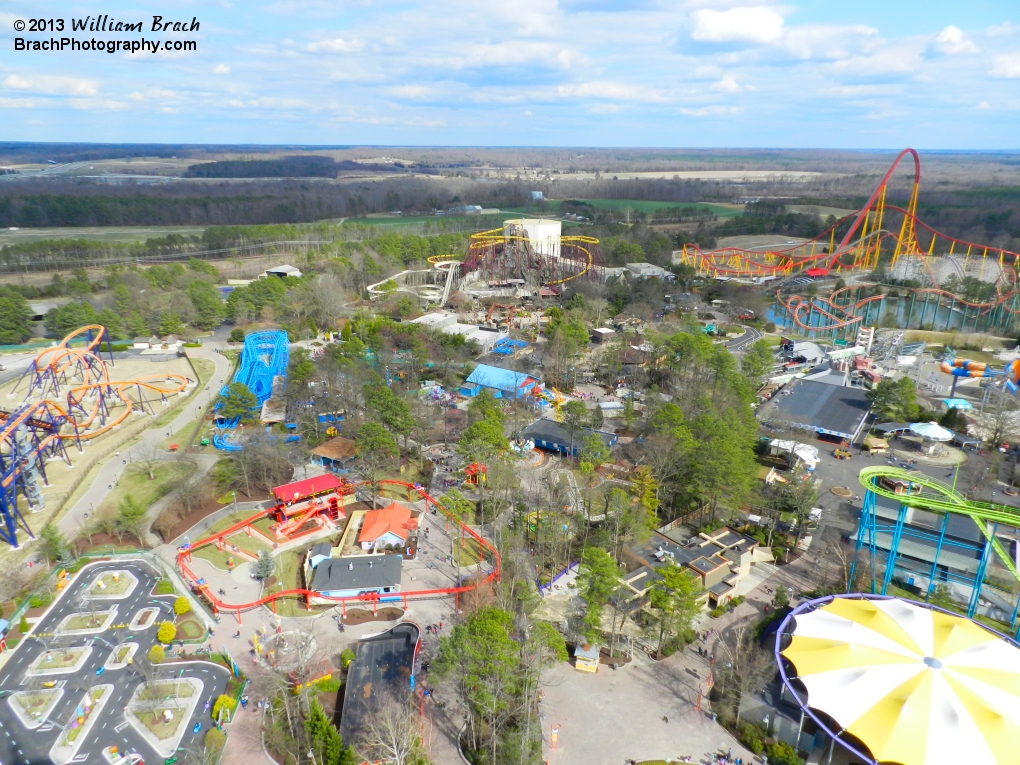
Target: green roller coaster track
[{"x": 922, "y": 492}]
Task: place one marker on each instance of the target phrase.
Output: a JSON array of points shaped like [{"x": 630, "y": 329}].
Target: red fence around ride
[{"x": 372, "y": 598}]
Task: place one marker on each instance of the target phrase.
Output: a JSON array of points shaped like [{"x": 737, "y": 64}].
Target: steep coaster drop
[{"x": 264, "y": 359}]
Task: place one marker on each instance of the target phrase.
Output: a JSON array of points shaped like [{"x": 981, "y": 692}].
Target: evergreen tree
[
  {"x": 15, "y": 318},
  {"x": 264, "y": 566},
  {"x": 324, "y": 739}
]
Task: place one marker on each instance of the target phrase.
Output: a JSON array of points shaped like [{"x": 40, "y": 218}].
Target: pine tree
[{"x": 264, "y": 566}]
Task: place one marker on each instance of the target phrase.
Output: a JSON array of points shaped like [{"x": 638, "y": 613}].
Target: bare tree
[
  {"x": 148, "y": 454},
  {"x": 746, "y": 667},
  {"x": 391, "y": 734}
]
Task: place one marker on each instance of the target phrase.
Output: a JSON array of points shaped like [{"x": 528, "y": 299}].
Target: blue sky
[{"x": 866, "y": 74}]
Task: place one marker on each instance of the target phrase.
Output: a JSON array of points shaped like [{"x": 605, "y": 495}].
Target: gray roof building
[
  {"x": 551, "y": 435},
  {"x": 826, "y": 409},
  {"x": 357, "y": 573}
]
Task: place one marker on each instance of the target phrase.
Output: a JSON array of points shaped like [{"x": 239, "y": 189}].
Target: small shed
[{"x": 586, "y": 657}]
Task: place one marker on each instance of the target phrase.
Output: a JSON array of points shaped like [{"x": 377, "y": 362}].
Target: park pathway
[{"x": 110, "y": 472}]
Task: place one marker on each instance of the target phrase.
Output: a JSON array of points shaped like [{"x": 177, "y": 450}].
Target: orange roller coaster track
[
  {"x": 201, "y": 586},
  {"x": 70, "y": 398},
  {"x": 859, "y": 249}
]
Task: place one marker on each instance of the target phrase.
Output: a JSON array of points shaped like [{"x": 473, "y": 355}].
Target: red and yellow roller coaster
[
  {"x": 70, "y": 398},
  {"x": 199, "y": 584},
  {"x": 859, "y": 249},
  {"x": 508, "y": 253}
]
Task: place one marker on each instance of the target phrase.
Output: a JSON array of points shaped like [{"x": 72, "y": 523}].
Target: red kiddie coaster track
[
  {"x": 859, "y": 249},
  {"x": 369, "y": 598}
]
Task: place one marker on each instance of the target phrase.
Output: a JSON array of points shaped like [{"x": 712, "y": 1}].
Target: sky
[{"x": 931, "y": 74}]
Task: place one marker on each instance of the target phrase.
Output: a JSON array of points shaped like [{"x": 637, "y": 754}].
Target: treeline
[
  {"x": 771, "y": 218},
  {"x": 221, "y": 241},
  {"x": 298, "y": 166},
  {"x": 47, "y": 210}
]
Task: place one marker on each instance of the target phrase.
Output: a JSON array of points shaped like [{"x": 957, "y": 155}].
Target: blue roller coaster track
[{"x": 263, "y": 357}]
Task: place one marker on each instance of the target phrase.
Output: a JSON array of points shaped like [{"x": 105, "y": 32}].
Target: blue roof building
[{"x": 504, "y": 383}]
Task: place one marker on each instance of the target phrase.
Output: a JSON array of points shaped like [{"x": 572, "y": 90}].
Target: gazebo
[{"x": 931, "y": 433}]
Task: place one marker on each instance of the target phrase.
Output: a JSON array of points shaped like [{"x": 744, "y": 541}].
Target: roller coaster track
[
  {"x": 486, "y": 245},
  {"x": 184, "y": 556},
  {"x": 859, "y": 250},
  {"x": 49, "y": 417},
  {"x": 264, "y": 357},
  {"x": 936, "y": 496}
]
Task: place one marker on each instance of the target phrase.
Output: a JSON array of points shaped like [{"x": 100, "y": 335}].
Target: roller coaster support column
[
  {"x": 894, "y": 548},
  {"x": 866, "y": 523},
  {"x": 1012, "y": 621},
  {"x": 935, "y": 562},
  {"x": 979, "y": 577}
]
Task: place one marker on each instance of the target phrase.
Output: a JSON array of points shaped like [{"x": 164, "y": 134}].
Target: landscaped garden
[
  {"x": 112, "y": 583},
  {"x": 59, "y": 659},
  {"x": 34, "y": 702},
  {"x": 163, "y": 697}
]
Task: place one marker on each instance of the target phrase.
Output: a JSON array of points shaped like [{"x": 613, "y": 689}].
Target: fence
[{"x": 544, "y": 588}]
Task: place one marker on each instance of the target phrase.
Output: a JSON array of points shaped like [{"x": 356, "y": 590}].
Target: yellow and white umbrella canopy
[{"x": 916, "y": 686}]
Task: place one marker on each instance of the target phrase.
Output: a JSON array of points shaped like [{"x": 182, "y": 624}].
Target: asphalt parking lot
[{"x": 21, "y": 746}]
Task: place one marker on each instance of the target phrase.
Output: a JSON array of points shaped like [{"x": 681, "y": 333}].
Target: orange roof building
[{"x": 387, "y": 526}]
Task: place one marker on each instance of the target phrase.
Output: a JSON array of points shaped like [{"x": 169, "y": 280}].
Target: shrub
[
  {"x": 157, "y": 654},
  {"x": 782, "y": 754},
  {"x": 166, "y": 633},
  {"x": 750, "y": 736},
  {"x": 346, "y": 657},
  {"x": 236, "y": 335},
  {"x": 226, "y": 703},
  {"x": 715, "y": 613},
  {"x": 191, "y": 345},
  {"x": 119, "y": 347},
  {"x": 332, "y": 685},
  {"x": 214, "y": 740},
  {"x": 181, "y": 605},
  {"x": 23, "y": 625}
]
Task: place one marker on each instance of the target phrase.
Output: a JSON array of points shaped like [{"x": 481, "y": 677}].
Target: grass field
[
  {"x": 468, "y": 554},
  {"x": 135, "y": 483},
  {"x": 205, "y": 369},
  {"x": 648, "y": 207},
  {"x": 249, "y": 544},
  {"x": 111, "y": 586},
  {"x": 64, "y": 659},
  {"x": 96, "y": 233}
]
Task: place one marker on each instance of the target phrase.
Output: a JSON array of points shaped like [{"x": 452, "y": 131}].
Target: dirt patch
[
  {"x": 207, "y": 508},
  {"x": 610, "y": 661},
  {"x": 361, "y": 616}
]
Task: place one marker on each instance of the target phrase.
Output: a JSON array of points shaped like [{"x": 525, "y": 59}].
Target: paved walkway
[{"x": 111, "y": 470}]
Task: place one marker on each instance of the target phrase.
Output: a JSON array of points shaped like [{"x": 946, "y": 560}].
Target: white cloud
[
  {"x": 951, "y": 42},
  {"x": 221, "y": 69},
  {"x": 609, "y": 91},
  {"x": 1002, "y": 30},
  {"x": 750, "y": 24},
  {"x": 1006, "y": 65},
  {"x": 814, "y": 41},
  {"x": 516, "y": 53},
  {"x": 727, "y": 84},
  {"x": 411, "y": 91},
  {"x": 52, "y": 86},
  {"x": 862, "y": 91},
  {"x": 984, "y": 105},
  {"x": 93, "y": 103},
  {"x": 338, "y": 45},
  {"x": 712, "y": 111},
  {"x": 896, "y": 59},
  {"x": 18, "y": 103}
]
